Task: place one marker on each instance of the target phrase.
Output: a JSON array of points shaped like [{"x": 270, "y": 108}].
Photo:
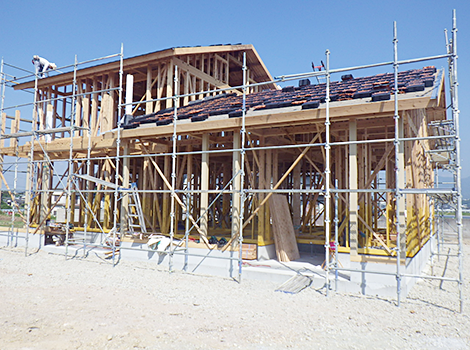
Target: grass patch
[{"x": 5, "y": 220}]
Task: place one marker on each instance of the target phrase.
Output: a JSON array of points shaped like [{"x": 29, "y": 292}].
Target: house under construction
[{"x": 201, "y": 148}]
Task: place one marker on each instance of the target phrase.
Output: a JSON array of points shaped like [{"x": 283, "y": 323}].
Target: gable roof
[
  {"x": 367, "y": 89},
  {"x": 254, "y": 62}
]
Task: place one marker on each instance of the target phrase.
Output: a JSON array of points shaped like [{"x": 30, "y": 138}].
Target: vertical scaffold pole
[
  {"x": 397, "y": 162},
  {"x": 2, "y": 87},
  {"x": 327, "y": 175},
  {"x": 173, "y": 170},
  {"x": 455, "y": 117},
  {"x": 15, "y": 182},
  {"x": 336, "y": 221},
  {"x": 88, "y": 172},
  {"x": 2, "y": 101},
  {"x": 2, "y": 84},
  {"x": 71, "y": 210},
  {"x": 118, "y": 146},
  {"x": 31, "y": 165},
  {"x": 242, "y": 175}
]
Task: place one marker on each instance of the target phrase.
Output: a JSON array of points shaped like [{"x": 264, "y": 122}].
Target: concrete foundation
[{"x": 225, "y": 264}]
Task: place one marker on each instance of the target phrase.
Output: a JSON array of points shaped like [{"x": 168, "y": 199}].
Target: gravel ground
[{"x": 48, "y": 302}]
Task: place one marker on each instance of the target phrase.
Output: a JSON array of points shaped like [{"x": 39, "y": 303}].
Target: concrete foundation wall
[{"x": 225, "y": 264}]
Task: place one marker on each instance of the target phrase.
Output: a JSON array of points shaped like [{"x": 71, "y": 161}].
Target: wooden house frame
[{"x": 284, "y": 152}]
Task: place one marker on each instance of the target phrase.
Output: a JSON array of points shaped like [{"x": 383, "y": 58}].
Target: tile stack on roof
[{"x": 378, "y": 87}]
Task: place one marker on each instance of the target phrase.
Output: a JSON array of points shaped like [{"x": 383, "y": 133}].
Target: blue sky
[{"x": 288, "y": 35}]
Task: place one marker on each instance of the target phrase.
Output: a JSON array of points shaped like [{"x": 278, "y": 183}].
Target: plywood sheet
[{"x": 283, "y": 229}]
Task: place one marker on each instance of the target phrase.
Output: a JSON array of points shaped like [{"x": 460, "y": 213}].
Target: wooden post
[
  {"x": 107, "y": 221},
  {"x": 296, "y": 199},
  {"x": 186, "y": 88},
  {"x": 236, "y": 185},
  {"x": 86, "y": 106},
  {"x": 267, "y": 218},
  {"x": 145, "y": 196},
  {"x": 159, "y": 88},
  {"x": 226, "y": 202},
  {"x": 78, "y": 109},
  {"x": 166, "y": 196},
  {"x": 94, "y": 108},
  {"x": 46, "y": 174},
  {"x": 189, "y": 181},
  {"x": 169, "y": 84},
  {"x": 148, "y": 92},
  {"x": 15, "y": 127},
  {"x": 261, "y": 185},
  {"x": 353, "y": 198},
  {"x": 48, "y": 124},
  {"x": 204, "y": 184},
  {"x": 64, "y": 111},
  {"x": 401, "y": 184},
  {"x": 129, "y": 93}
]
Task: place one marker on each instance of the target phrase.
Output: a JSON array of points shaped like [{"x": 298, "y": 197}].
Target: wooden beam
[{"x": 279, "y": 117}]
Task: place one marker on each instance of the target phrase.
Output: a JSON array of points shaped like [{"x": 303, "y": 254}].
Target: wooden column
[
  {"x": 86, "y": 106},
  {"x": 94, "y": 108},
  {"x": 236, "y": 186},
  {"x": 82, "y": 206},
  {"x": 160, "y": 80},
  {"x": 267, "y": 218},
  {"x": 166, "y": 196},
  {"x": 108, "y": 210},
  {"x": 261, "y": 185},
  {"x": 204, "y": 184},
  {"x": 353, "y": 198},
  {"x": 401, "y": 184},
  {"x": 148, "y": 91},
  {"x": 64, "y": 111},
  {"x": 189, "y": 181},
  {"x": 146, "y": 208},
  {"x": 169, "y": 84},
  {"x": 296, "y": 199},
  {"x": 15, "y": 127},
  {"x": 129, "y": 93},
  {"x": 46, "y": 175},
  {"x": 78, "y": 110},
  {"x": 125, "y": 184}
]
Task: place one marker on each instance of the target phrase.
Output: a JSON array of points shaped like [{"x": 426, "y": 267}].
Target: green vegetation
[
  {"x": 5, "y": 220},
  {"x": 5, "y": 206}
]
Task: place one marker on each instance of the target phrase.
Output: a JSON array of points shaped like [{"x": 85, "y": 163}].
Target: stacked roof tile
[{"x": 378, "y": 88}]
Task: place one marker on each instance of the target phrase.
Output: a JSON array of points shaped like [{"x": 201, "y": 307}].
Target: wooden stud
[
  {"x": 148, "y": 92},
  {"x": 236, "y": 186},
  {"x": 261, "y": 185},
  {"x": 169, "y": 84},
  {"x": 353, "y": 185},
  {"x": 204, "y": 185},
  {"x": 86, "y": 106}
]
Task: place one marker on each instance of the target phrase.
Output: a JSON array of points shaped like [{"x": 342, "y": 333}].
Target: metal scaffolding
[{"x": 446, "y": 157}]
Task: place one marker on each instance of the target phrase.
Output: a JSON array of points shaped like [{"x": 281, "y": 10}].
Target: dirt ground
[{"x": 48, "y": 302}]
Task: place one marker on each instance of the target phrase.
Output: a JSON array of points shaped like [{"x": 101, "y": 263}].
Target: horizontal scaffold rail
[{"x": 42, "y": 132}]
